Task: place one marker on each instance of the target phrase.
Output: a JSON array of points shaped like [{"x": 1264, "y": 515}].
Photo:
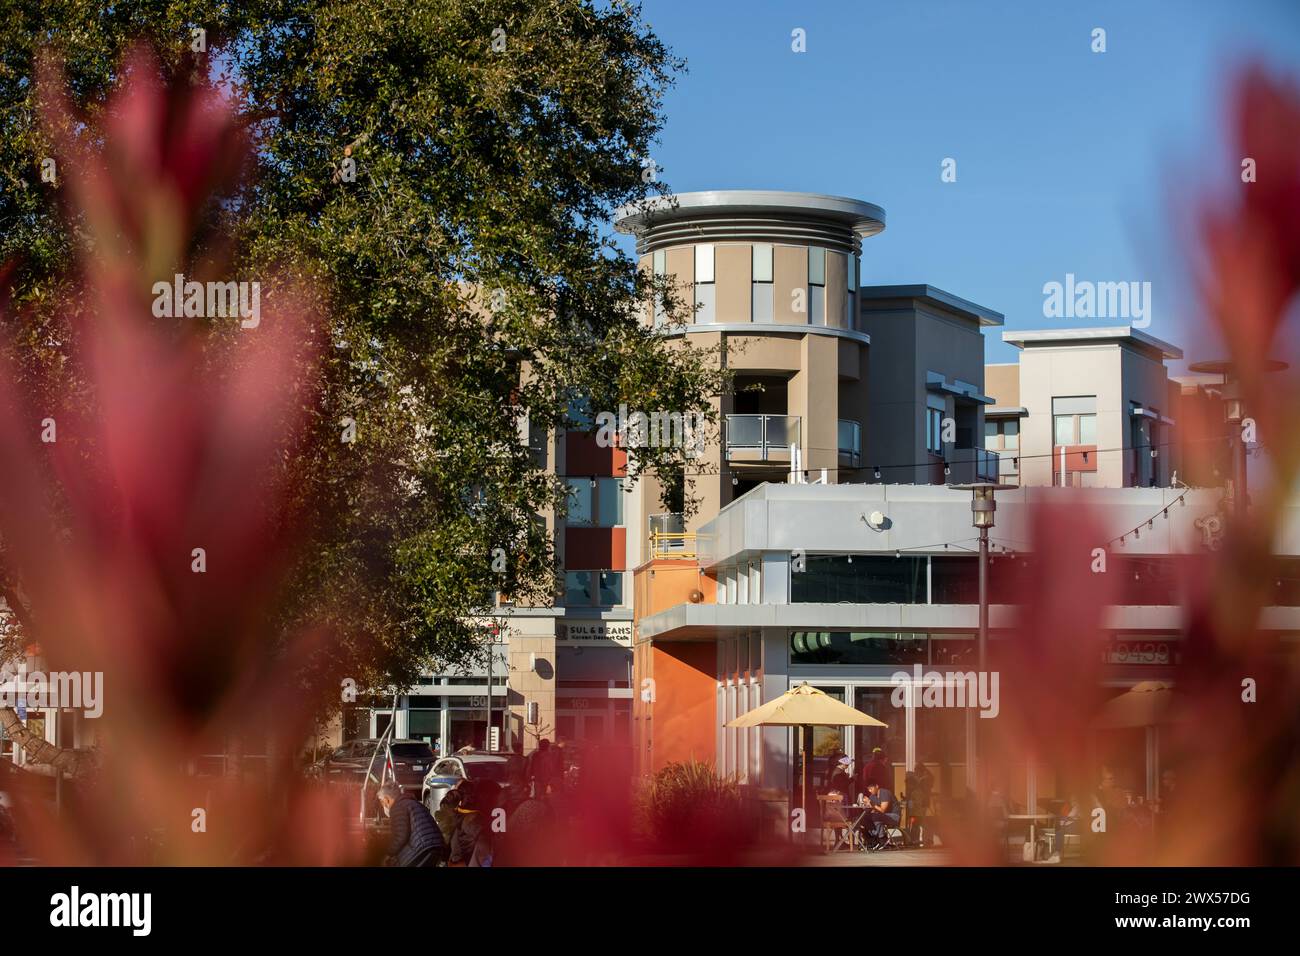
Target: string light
[{"x": 878, "y": 469}]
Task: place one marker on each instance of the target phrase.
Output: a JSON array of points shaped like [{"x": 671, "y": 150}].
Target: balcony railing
[
  {"x": 988, "y": 465},
  {"x": 850, "y": 443},
  {"x": 761, "y": 437},
  {"x": 669, "y": 538},
  {"x": 973, "y": 464}
]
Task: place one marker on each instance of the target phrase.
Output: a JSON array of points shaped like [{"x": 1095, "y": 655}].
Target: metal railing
[
  {"x": 761, "y": 437},
  {"x": 669, "y": 539},
  {"x": 988, "y": 465},
  {"x": 850, "y": 441}
]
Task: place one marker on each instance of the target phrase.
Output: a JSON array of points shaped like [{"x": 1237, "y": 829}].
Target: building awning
[{"x": 962, "y": 391}]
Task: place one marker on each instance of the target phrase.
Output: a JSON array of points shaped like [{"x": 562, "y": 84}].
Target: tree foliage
[{"x": 444, "y": 173}]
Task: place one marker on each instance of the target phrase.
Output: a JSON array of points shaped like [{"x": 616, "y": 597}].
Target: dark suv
[{"x": 411, "y": 760}]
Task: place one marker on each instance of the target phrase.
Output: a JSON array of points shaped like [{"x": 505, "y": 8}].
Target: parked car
[
  {"x": 346, "y": 764},
  {"x": 504, "y": 769},
  {"x": 411, "y": 761}
]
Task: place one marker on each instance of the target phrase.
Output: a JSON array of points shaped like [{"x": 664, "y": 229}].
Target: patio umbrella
[
  {"x": 1143, "y": 705},
  {"x": 807, "y": 707}
]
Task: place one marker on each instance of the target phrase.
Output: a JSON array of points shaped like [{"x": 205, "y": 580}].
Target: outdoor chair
[{"x": 834, "y": 823}]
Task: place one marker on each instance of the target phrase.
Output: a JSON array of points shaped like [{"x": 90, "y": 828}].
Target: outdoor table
[
  {"x": 1033, "y": 819},
  {"x": 854, "y": 823}
]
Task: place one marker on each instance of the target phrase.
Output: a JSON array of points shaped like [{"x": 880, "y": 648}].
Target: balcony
[
  {"x": 761, "y": 438},
  {"x": 969, "y": 465},
  {"x": 669, "y": 538},
  {"x": 850, "y": 443}
]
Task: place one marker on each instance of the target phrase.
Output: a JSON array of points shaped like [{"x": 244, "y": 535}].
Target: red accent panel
[
  {"x": 1074, "y": 458},
  {"x": 582, "y": 456},
  {"x": 595, "y": 549}
]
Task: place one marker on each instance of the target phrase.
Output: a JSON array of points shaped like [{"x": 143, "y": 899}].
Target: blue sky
[{"x": 1067, "y": 160}]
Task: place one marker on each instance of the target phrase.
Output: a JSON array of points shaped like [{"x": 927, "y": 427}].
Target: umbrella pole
[{"x": 807, "y": 767}]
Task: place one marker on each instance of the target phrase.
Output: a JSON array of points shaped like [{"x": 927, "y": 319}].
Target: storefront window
[
  {"x": 831, "y": 579},
  {"x": 954, "y": 580},
  {"x": 467, "y": 725},
  {"x": 941, "y": 747},
  {"x": 425, "y": 725},
  {"x": 892, "y": 739},
  {"x": 857, "y": 647}
]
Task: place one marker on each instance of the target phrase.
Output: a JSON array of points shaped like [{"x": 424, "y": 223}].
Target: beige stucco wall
[{"x": 1115, "y": 374}]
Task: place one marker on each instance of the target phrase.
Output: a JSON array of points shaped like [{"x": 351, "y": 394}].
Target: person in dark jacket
[{"x": 416, "y": 840}]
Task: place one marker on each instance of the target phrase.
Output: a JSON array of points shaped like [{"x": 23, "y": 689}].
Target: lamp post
[
  {"x": 1234, "y": 413},
  {"x": 983, "y": 508}
]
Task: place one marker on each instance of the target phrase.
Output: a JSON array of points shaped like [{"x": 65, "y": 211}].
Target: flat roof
[
  {"x": 1117, "y": 333},
  {"x": 935, "y": 296},
  {"x": 864, "y": 218}
]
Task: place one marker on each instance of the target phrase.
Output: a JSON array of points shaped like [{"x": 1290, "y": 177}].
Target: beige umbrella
[{"x": 805, "y": 707}]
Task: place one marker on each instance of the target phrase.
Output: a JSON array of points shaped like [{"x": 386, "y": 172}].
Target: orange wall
[
  {"x": 678, "y": 723},
  {"x": 683, "y": 712},
  {"x": 666, "y": 582}
]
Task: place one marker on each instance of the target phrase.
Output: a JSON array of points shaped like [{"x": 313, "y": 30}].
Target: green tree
[{"x": 445, "y": 172}]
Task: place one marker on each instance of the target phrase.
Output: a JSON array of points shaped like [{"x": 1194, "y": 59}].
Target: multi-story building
[
  {"x": 1085, "y": 407},
  {"x": 845, "y": 586}
]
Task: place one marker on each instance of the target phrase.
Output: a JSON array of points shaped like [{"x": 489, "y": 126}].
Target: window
[
  {"x": 816, "y": 285},
  {"x": 761, "y": 287},
  {"x": 1074, "y": 420},
  {"x": 593, "y": 588},
  {"x": 858, "y": 647},
  {"x": 934, "y": 431},
  {"x": 660, "y": 270},
  {"x": 1002, "y": 435},
  {"x": 578, "y": 416},
  {"x": 850, "y": 295},
  {"x": 611, "y": 587},
  {"x": 816, "y": 266},
  {"x": 864, "y": 579},
  {"x": 600, "y": 506},
  {"x": 577, "y": 589},
  {"x": 705, "y": 291}
]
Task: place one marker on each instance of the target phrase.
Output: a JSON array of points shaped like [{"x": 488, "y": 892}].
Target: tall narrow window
[
  {"x": 816, "y": 285},
  {"x": 660, "y": 270},
  {"x": 705, "y": 292},
  {"x": 851, "y": 294},
  {"x": 761, "y": 287}
]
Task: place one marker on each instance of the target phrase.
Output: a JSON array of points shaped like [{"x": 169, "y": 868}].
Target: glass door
[{"x": 880, "y": 752}]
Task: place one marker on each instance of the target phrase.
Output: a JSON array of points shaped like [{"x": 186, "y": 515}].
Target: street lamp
[
  {"x": 1234, "y": 413},
  {"x": 983, "y": 509}
]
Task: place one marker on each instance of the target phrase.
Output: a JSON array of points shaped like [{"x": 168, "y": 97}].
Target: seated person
[
  {"x": 883, "y": 814},
  {"x": 842, "y": 779}
]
